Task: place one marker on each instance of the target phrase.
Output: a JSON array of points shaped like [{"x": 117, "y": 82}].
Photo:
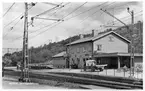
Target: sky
[{"x": 75, "y": 22}]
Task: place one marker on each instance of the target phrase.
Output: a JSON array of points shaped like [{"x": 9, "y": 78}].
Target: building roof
[
  {"x": 117, "y": 54},
  {"x": 62, "y": 54},
  {"x": 82, "y": 40}
]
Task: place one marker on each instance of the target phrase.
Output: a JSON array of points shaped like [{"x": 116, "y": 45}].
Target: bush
[
  {"x": 74, "y": 66},
  {"x": 139, "y": 68}
]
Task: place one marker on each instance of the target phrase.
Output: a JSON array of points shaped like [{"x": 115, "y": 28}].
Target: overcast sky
[{"x": 80, "y": 24}]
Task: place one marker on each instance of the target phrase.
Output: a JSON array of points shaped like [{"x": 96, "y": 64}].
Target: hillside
[{"x": 45, "y": 52}]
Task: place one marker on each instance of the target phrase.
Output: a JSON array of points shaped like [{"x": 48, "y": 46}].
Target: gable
[
  {"x": 110, "y": 43},
  {"x": 114, "y": 35}
]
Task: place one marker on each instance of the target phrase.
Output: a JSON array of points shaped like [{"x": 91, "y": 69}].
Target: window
[
  {"x": 73, "y": 61},
  {"x": 111, "y": 38},
  {"x": 72, "y": 51},
  {"x": 81, "y": 49},
  {"x": 84, "y": 59},
  {"x": 84, "y": 49},
  {"x": 78, "y": 61},
  {"x": 99, "y": 47},
  {"x": 78, "y": 50}
]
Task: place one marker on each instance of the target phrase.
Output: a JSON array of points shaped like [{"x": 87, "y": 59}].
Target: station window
[
  {"x": 84, "y": 59},
  {"x": 84, "y": 50},
  {"x": 78, "y": 49},
  {"x": 78, "y": 60},
  {"x": 99, "y": 47}
]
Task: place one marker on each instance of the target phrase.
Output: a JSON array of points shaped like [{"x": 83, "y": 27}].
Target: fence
[{"x": 122, "y": 72}]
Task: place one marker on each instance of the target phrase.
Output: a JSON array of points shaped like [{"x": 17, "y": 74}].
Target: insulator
[
  {"x": 22, "y": 17},
  {"x": 32, "y": 18},
  {"x": 33, "y": 4},
  {"x": 11, "y": 28}
]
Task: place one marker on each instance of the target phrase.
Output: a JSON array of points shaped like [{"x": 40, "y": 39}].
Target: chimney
[
  {"x": 93, "y": 33},
  {"x": 139, "y": 28},
  {"x": 81, "y": 36}
]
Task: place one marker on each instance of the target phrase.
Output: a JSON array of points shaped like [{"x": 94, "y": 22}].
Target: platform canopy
[{"x": 116, "y": 54}]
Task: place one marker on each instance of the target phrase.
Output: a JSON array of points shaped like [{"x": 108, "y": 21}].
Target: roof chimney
[
  {"x": 92, "y": 33},
  {"x": 81, "y": 36}
]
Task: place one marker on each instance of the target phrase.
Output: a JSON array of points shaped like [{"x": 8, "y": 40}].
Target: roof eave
[{"x": 79, "y": 42}]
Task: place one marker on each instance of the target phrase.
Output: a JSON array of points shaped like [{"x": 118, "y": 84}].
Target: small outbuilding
[{"x": 59, "y": 60}]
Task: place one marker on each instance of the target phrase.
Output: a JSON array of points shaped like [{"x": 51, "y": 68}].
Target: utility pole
[
  {"x": 132, "y": 49},
  {"x": 24, "y": 64},
  {"x": 132, "y": 41},
  {"x": 69, "y": 50}
]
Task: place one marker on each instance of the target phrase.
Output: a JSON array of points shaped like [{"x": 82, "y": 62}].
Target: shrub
[{"x": 139, "y": 68}]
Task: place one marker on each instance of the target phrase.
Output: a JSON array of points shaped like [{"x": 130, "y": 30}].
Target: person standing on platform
[{"x": 84, "y": 65}]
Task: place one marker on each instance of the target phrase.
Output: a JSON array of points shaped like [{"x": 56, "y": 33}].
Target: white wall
[{"x": 117, "y": 45}]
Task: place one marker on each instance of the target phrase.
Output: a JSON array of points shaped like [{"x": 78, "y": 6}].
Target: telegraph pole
[
  {"x": 132, "y": 41},
  {"x": 24, "y": 64}
]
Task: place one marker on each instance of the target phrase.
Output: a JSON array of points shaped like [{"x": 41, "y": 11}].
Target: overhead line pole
[
  {"x": 24, "y": 64},
  {"x": 132, "y": 41}
]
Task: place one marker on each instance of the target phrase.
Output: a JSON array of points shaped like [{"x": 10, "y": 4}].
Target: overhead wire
[
  {"x": 12, "y": 21},
  {"x": 123, "y": 21},
  {"x": 61, "y": 8},
  {"x": 65, "y": 16},
  {"x": 8, "y": 9},
  {"x": 20, "y": 25},
  {"x": 13, "y": 27},
  {"x": 42, "y": 27},
  {"x": 85, "y": 11},
  {"x": 88, "y": 11},
  {"x": 130, "y": 18},
  {"x": 15, "y": 18},
  {"x": 118, "y": 7},
  {"x": 65, "y": 20},
  {"x": 75, "y": 9},
  {"x": 61, "y": 22},
  {"x": 74, "y": 16},
  {"x": 16, "y": 22},
  {"x": 51, "y": 15},
  {"x": 127, "y": 17},
  {"x": 57, "y": 6},
  {"x": 71, "y": 17},
  {"x": 91, "y": 14}
]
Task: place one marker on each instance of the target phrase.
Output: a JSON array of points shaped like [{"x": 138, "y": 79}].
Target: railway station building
[{"x": 108, "y": 48}]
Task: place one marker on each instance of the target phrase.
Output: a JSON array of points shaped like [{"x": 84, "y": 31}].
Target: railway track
[{"x": 80, "y": 80}]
